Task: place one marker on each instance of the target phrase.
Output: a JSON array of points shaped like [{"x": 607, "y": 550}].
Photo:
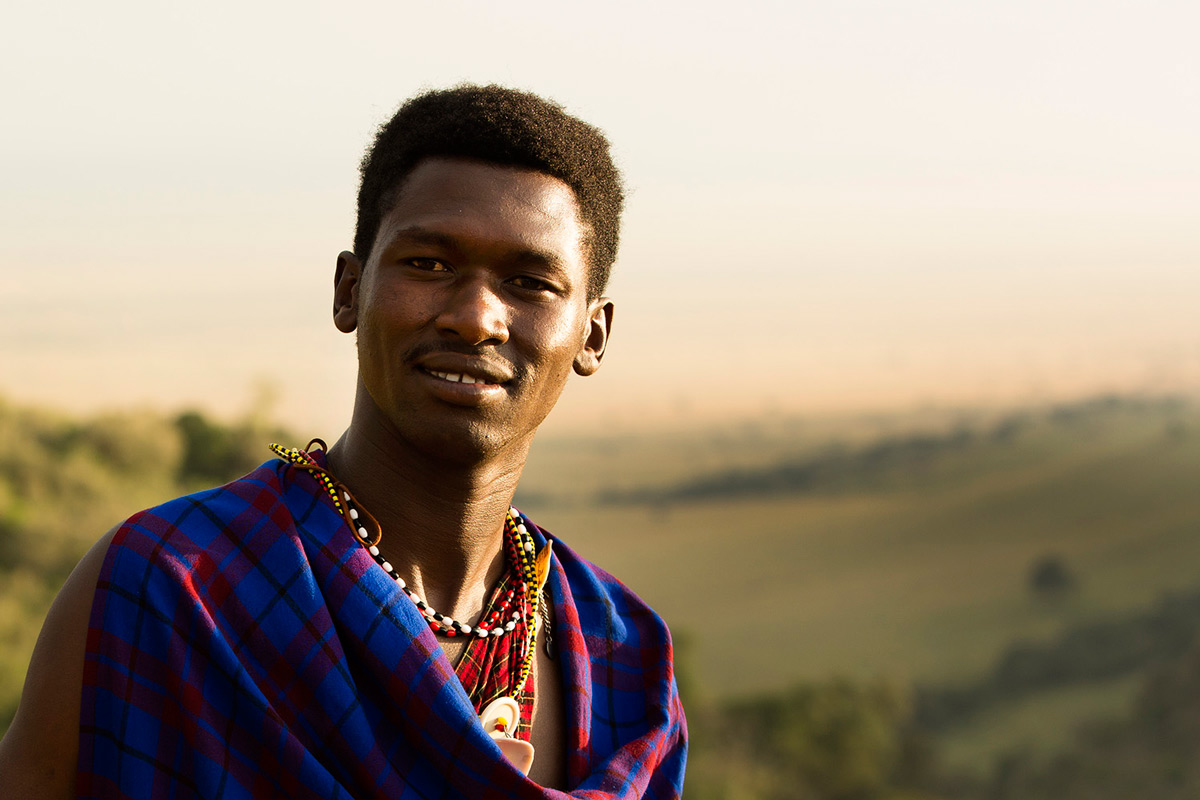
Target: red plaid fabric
[{"x": 490, "y": 668}]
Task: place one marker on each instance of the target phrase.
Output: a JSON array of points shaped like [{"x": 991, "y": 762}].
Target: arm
[{"x": 38, "y": 754}]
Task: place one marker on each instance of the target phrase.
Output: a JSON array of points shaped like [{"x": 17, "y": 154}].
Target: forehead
[{"x": 486, "y": 205}]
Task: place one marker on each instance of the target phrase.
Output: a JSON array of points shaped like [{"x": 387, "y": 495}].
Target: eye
[
  {"x": 531, "y": 283},
  {"x": 426, "y": 264}
]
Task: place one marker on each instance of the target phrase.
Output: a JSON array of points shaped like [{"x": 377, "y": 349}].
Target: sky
[{"x": 833, "y": 207}]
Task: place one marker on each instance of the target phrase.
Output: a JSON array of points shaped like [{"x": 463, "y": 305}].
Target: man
[{"x": 277, "y": 636}]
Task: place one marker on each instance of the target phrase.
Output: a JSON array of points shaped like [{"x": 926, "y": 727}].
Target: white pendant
[{"x": 518, "y": 752}]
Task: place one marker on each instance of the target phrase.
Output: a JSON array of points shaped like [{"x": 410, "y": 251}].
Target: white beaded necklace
[
  {"x": 518, "y": 540},
  {"x": 444, "y": 623}
]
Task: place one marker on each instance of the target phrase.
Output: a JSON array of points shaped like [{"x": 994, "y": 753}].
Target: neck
[{"x": 442, "y": 521}]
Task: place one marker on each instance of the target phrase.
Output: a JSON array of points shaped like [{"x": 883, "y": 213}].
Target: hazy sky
[{"x": 831, "y": 205}]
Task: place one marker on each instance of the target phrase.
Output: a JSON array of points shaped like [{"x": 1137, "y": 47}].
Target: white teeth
[{"x": 455, "y": 377}]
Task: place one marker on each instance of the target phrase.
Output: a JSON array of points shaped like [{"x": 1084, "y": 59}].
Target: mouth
[
  {"x": 466, "y": 370},
  {"x": 461, "y": 377},
  {"x": 466, "y": 382}
]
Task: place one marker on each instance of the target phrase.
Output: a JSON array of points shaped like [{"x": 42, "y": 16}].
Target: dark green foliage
[
  {"x": 841, "y": 740},
  {"x": 215, "y": 453},
  {"x": 10, "y": 542},
  {"x": 836, "y": 470},
  {"x": 1050, "y": 579},
  {"x": 64, "y": 482},
  {"x": 836, "y": 740},
  {"x": 1082, "y": 654},
  {"x": 893, "y": 462},
  {"x": 1150, "y": 756}
]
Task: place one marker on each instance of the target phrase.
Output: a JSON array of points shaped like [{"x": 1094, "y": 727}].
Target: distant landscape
[{"x": 944, "y": 604}]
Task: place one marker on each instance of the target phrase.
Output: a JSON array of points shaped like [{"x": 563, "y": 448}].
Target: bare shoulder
[{"x": 38, "y": 754}]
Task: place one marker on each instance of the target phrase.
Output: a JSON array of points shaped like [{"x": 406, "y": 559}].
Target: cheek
[
  {"x": 365, "y": 335},
  {"x": 388, "y": 314},
  {"x": 560, "y": 340},
  {"x": 379, "y": 338}
]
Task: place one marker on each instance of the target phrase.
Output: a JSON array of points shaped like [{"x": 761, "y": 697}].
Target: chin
[{"x": 468, "y": 444}]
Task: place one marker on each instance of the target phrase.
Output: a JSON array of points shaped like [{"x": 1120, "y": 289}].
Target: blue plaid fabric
[{"x": 243, "y": 644}]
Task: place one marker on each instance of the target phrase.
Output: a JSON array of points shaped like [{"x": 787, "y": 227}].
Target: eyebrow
[{"x": 418, "y": 235}]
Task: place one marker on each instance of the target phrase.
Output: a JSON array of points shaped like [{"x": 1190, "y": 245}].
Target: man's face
[{"x": 473, "y": 309}]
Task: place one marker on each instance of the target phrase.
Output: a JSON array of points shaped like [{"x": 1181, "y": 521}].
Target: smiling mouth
[{"x": 459, "y": 377}]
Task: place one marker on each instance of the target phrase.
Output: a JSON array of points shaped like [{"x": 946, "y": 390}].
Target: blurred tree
[
  {"x": 1151, "y": 755},
  {"x": 130, "y": 442},
  {"x": 835, "y": 740},
  {"x": 214, "y": 453},
  {"x": 1049, "y": 578}
]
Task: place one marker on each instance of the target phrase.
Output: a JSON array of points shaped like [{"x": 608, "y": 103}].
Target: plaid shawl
[{"x": 242, "y": 644}]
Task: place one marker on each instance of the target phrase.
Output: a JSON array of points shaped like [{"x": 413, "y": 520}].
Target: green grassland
[
  {"x": 912, "y": 566},
  {"x": 919, "y": 573},
  {"x": 894, "y": 548},
  {"x": 1042, "y": 725}
]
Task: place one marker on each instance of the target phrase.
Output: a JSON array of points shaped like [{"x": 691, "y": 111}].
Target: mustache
[{"x": 486, "y": 354}]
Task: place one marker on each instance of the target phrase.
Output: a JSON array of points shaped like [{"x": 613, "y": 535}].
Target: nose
[{"x": 475, "y": 313}]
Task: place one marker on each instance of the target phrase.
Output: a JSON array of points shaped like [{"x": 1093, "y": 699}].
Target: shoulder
[
  {"x": 211, "y": 522},
  {"x": 240, "y": 503},
  {"x": 183, "y": 561},
  {"x": 37, "y": 755},
  {"x": 39, "y": 751}
]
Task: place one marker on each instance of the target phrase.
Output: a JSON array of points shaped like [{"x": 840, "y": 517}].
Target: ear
[
  {"x": 599, "y": 326},
  {"x": 345, "y": 291}
]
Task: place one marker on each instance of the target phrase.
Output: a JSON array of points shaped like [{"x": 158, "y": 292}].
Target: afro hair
[{"x": 501, "y": 126}]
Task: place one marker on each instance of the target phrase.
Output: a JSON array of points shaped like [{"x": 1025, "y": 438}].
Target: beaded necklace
[{"x": 513, "y": 610}]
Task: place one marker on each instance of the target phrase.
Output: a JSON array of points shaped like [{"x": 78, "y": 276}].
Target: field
[
  {"x": 894, "y": 548},
  {"x": 909, "y": 560}
]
